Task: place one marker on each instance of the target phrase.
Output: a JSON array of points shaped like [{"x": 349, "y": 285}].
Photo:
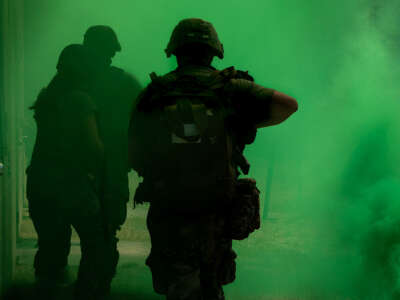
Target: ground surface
[{"x": 275, "y": 263}]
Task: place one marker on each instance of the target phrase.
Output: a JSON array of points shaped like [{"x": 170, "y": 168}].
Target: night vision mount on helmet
[{"x": 194, "y": 31}]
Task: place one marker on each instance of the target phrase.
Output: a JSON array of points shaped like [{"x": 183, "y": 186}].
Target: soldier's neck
[{"x": 184, "y": 61}]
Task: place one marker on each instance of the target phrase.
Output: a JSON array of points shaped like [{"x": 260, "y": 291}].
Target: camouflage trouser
[
  {"x": 189, "y": 259},
  {"x": 53, "y": 227},
  {"x": 114, "y": 214}
]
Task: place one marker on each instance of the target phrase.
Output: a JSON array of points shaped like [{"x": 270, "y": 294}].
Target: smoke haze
[{"x": 330, "y": 175}]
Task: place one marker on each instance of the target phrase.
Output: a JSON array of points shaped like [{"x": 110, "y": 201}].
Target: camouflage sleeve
[{"x": 249, "y": 99}]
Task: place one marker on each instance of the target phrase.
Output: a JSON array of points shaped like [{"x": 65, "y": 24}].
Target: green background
[{"x": 330, "y": 175}]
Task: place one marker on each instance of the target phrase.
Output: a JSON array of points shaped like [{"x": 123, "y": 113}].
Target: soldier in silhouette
[{"x": 187, "y": 135}]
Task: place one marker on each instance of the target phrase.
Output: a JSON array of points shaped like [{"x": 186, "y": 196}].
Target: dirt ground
[{"x": 276, "y": 262}]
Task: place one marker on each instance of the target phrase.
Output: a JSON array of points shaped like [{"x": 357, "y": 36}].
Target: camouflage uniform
[
  {"x": 191, "y": 255},
  {"x": 62, "y": 184}
]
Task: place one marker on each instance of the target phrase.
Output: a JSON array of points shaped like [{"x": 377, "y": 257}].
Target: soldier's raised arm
[
  {"x": 281, "y": 107},
  {"x": 263, "y": 106}
]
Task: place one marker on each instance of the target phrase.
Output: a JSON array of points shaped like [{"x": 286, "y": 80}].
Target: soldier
[
  {"x": 63, "y": 177},
  {"x": 113, "y": 91},
  {"x": 187, "y": 135}
]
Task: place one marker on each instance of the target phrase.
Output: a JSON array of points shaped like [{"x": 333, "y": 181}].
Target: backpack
[{"x": 188, "y": 142}]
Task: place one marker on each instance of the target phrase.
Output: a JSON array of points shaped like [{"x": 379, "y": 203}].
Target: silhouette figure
[
  {"x": 64, "y": 177},
  {"x": 187, "y": 136}
]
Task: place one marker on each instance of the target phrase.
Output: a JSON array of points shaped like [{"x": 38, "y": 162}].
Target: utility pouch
[
  {"x": 244, "y": 216},
  {"x": 227, "y": 271}
]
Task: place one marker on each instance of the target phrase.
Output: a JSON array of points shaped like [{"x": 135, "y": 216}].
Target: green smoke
[{"x": 330, "y": 175}]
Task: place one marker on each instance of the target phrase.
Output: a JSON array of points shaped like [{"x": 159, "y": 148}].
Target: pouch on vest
[
  {"x": 192, "y": 147},
  {"x": 244, "y": 215}
]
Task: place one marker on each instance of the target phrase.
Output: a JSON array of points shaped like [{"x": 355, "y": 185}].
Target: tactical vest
[{"x": 191, "y": 148}]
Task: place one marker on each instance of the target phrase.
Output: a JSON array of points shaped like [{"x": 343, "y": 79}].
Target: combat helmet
[
  {"x": 101, "y": 36},
  {"x": 72, "y": 59},
  {"x": 189, "y": 31}
]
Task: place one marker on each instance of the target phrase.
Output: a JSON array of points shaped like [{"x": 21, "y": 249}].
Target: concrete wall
[{"x": 11, "y": 111}]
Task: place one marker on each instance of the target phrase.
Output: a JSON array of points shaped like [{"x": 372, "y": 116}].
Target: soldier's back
[
  {"x": 114, "y": 91},
  {"x": 60, "y": 163}
]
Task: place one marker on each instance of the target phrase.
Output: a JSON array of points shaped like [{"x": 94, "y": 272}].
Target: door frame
[{"x": 12, "y": 107}]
